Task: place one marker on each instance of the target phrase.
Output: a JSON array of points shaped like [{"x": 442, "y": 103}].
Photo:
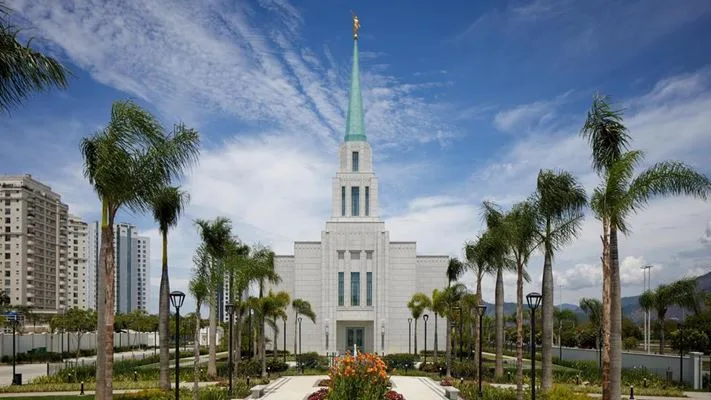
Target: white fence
[
  {"x": 655, "y": 363},
  {"x": 68, "y": 342}
]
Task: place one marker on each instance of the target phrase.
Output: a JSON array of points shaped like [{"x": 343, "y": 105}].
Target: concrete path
[
  {"x": 184, "y": 385},
  {"x": 298, "y": 387}
]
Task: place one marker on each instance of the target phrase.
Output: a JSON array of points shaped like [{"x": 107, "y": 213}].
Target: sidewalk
[{"x": 184, "y": 385}]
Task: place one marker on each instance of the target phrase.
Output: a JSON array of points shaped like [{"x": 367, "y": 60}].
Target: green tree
[
  {"x": 689, "y": 340},
  {"x": 199, "y": 288},
  {"x": 419, "y": 302},
  {"x": 23, "y": 70},
  {"x": 301, "y": 307},
  {"x": 455, "y": 269},
  {"x": 559, "y": 201},
  {"x": 238, "y": 266},
  {"x": 80, "y": 322},
  {"x": 620, "y": 194},
  {"x": 567, "y": 321},
  {"x": 265, "y": 307},
  {"x": 451, "y": 297},
  {"x": 518, "y": 230},
  {"x": 593, "y": 310},
  {"x": 167, "y": 204},
  {"x": 216, "y": 236},
  {"x": 127, "y": 163},
  {"x": 437, "y": 307}
]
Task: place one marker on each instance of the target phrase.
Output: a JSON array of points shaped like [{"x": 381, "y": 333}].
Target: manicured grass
[{"x": 59, "y": 397}]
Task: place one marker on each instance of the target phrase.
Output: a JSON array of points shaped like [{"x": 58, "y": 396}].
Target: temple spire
[{"x": 355, "y": 127}]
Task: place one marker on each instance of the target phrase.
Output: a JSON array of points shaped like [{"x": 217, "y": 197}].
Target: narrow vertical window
[
  {"x": 340, "y": 288},
  {"x": 355, "y": 201},
  {"x": 343, "y": 201},
  {"x": 355, "y": 288},
  {"x": 367, "y": 201},
  {"x": 369, "y": 289},
  {"x": 355, "y": 161}
]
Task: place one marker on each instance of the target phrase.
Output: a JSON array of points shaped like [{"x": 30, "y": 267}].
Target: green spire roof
[{"x": 355, "y": 127}]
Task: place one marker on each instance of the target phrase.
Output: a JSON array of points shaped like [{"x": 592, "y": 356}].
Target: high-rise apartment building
[
  {"x": 132, "y": 255},
  {"x": 77, "y": 249},
  {"x": 34, "y": 241}
]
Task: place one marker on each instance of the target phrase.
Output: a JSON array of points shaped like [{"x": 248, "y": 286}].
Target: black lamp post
[
  {"x": 409, "y": 336},
  {"x": 534, "y": 300},
  {"x": 680, "y": 328},
  {"x": 14, "y": 322},
  {"x": 176, "y": 299},
  {"x": 230, "y": 308},
  {"x": 461, "y": 338},
  {"x": 425, "y": 318},
  {"x": 481, "y": 310}
]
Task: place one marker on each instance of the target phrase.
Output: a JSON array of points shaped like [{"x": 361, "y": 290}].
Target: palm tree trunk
[
  {"x": 163, "y": 311},
  {"x": 416, "y": 354},
  {"x": 212, "y": 356},
  {"x": 519, "y": 333},
  {"x": 476, "y": 323},
  {"x": 263, "y": 345},
  {"x": 547, "y": 320},
  {"x": 196, "y": 352},
  {"x": 275, "y": 346},
  {"x": 449, "y": 348},
  {"x": 606, "y": 308},
  {"x": 105, "y": 327},
  {"x": 499, "y": 366},
  {"x": 296, "y": 327},
  {"x": 237, "y": 337},
  {"x": 613, "y": 336},
  {"x": 435, "y": 337},
  {"x": 660, "y": 321}
]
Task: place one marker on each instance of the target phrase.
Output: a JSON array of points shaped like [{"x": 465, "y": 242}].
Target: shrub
[
  {"x": 362, "y": 377},
  {"x": 147, "y": 394},
  {"x": 318, "y": 395},
  {"x": 249, "y": 368},
  {"x": 399, "y": 361},
  {"x": 311, "y": 360},
  {"x": 630, "y": 343},
  {"x": 277, "y": 365},
  {"x": 393, "y": 395}
]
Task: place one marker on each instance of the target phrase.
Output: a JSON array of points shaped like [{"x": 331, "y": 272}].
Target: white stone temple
[{"x": 357, "y": 280}]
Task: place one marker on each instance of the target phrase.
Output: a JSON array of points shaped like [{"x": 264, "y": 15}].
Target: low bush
[
  {"x": 630, "y": 343},
  {"x": 399, "y": 361},
  {"x": 277, "y": 365},
  {"x": 311, "y": 360},
  {"x": 393, "y": 395},
  {"x": 320, "y": 394}
]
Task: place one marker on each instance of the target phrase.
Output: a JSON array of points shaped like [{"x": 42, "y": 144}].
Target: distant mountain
[{"x": 631, "y": 308}]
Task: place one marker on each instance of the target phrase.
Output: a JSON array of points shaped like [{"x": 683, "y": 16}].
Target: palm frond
[
  {"x": 665, "y": 179},
  {"x": 605, "y": 133},
  {"x": 167, "y": 204}
]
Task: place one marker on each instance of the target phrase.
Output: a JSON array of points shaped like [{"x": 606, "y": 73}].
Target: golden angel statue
[{"x": 356, "y": 26}]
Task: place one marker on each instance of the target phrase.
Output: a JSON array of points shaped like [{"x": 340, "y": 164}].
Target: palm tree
[
  {"x": 264, "y": 272},
  {"x": 593, "y": 310},
  {"x": 301, "y": 307},
  {"x": 418, "y": 303},
  {"x": 167, "y": 205},
  {"x": 559, "y": 202},
  {"x": 215, "y": 236},
  {"x": 619, "y": 194},
  {"x": 682, "y": 293},
  {"x": 452, "y": 297},
  {"x": 483, "y": 256},
  {"x": 437, "y": 307},
  {"x": 517, "y": 229},
  {"x": 199, "y": 288},
  {"x": 455, "y": 269},
  {"x": 22, "y": 69},
  {"x": 127, "y": 163},
  {"x": 264, "y": 307}
]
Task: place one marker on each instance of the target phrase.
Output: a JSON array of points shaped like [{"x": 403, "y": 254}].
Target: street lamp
[
  {"x": 230, "y": 308},
  {"x": 176, "y": 299},
  {"x": 285, "y": 340},
  {"x": 481, "y": 310},
  {"x": 300, "y": 363},
  {"x": 461, "y": 338},
  {"x": 382, "y": 336},
  {"x": 326, "y": 328},
  {"x": 534, "y": 300},
  {"x": 647, "y": 275},
  {"x": 425, "y": 317},
  {"x": 14, "y": 322},
  {"x": 409, "y": 336}
]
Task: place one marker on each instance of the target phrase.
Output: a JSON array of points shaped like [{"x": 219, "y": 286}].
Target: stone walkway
[{"x": 298, "y": 387}]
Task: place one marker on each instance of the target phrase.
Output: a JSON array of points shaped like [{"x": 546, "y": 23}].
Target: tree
[
  {"x": 199, "y": 288},
  {"x": 419, "y": 302},
  {"x": 455, "y": 269},
  {"x": 264, "y": 307},
  {"x": 239, "y": 266},
  {"x": 517, "y": 229},
  {"x": 22, "y": 69},
  {"x": 264, "y": 272},
  {"x": 215, "y": 235},
  {"x": 301, "y": 307},
  {"x": 128, "y": 162},
  {"x": 690, "y": 340},
  {"x": 681, "y": 293},
  {"x": 620, "y": 194},
  {"x": 80, "y": 322},
  {"x": 451, "y": 298},
  {"x": 437, "y": 307},
  {"x": 559, "y": 201},
  {"x": 167, "y": 205}
]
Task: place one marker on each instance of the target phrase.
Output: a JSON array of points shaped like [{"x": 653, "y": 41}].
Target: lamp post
[
  {"x": 176, "y": 299},
  {"x": 61, "y": 337},
  {"x": 382, "y": 337},
  {"x": 647, "y": 274},
  {"x": 14, "y": 322},
  {"x": 481, "y": 310},
  {"x": 409, "y": 336},
  {"x": 534, "y": 300},
  {"x": 461, "y": 337},
  {"x": 300, "y": 364},
  {"x": 425, "y": 318},
  {"x": 230, "y": 308}
]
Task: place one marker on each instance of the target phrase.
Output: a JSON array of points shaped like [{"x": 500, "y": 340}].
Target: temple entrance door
[{"x": 355, "y": 336}]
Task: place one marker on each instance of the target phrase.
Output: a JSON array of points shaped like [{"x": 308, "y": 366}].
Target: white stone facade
[{"x": 355, "y": 250}]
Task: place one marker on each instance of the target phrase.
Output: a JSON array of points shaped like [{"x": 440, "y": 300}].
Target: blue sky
[{"x": 463, "y": 103}]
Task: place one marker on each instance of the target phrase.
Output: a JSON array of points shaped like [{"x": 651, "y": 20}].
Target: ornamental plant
[{"x": 362, "y": 377}]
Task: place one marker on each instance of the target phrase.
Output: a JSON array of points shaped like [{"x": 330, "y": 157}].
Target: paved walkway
[
  {"x": 184, "y": 385},
  {"x": 298, "y": 387}
]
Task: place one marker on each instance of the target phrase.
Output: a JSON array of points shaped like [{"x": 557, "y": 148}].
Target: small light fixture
[
  {"x": 534, "y": 300},
  {"x": 176, "y": 298},
  {"x": 481, "y": 309},
  {"x": 425, "y": 317},
  {"x": 229, "y": 307}
]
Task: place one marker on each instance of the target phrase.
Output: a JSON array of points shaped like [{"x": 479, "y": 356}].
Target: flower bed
[{"x": 363, "y": 377}]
